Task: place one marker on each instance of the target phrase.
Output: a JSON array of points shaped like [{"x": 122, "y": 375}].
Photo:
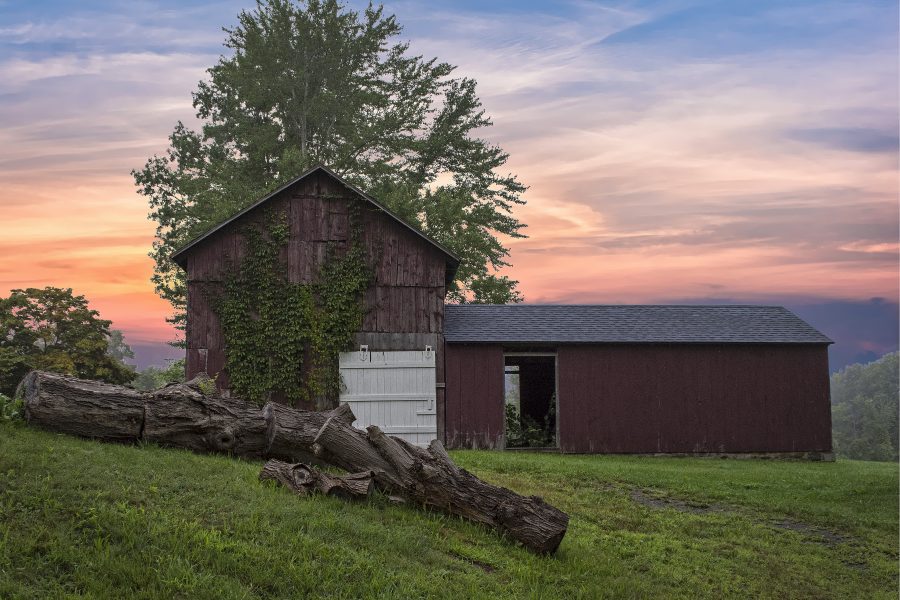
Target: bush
[
  {"x": 153, "y": 378},
  {"x": 524, "y": 432},
  {"x": 11, "y": 409}
]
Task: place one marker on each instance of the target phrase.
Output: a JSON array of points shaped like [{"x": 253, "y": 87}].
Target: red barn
[
  {"x": 623, "y": 379},
  {"x": 640, "y": 379}
]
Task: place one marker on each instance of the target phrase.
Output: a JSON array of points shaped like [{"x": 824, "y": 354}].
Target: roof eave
[{"x": 644, "y": 342}]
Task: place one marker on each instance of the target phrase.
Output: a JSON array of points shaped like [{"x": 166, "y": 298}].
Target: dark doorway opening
[{"x": 530, "y": 400}]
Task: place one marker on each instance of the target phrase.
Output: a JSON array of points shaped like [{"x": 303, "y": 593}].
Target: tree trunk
[
  {"x": 429, "y": 477},
  {"x": 183, "y": 416},
  {"x": 87, "y": 408},
  {"x": 290, "y": 433}
]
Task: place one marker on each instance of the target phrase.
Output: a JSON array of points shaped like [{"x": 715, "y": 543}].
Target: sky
[{"x": 676, "y": 151}]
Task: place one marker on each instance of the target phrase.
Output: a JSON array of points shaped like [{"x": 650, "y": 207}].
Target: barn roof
[
  {"x": 557, "y": 323},
  {"x": 180, "y": 255}
]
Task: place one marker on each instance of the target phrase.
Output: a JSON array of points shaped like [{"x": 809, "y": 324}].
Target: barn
[
  {"x": 639, "y": 379},
  {"x": 611, "y": 379}
]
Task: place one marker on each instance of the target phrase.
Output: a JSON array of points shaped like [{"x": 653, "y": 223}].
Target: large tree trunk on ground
[
  {"x": 430, "y": 477},
  {"x": 183, "y": 416},
  {"x": 87, "y": 408}
]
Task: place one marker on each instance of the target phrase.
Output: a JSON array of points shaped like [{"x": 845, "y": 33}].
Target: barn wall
[
  {"x": 405, "y": 302},
  {"x": 474, "y": 415},
  {"x": 694, "y": 398}
]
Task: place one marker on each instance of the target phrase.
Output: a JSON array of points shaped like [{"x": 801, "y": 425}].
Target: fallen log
[
  {"x": 187, "y": 416},
  {"x": 306, "y": 480},
  {"x": 81, "y": 407}
]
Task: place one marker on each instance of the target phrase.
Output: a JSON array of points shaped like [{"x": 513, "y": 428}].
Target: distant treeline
[{"x": 864, "y": 409}]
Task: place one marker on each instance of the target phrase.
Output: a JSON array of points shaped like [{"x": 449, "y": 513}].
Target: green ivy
[{"x": 283, "y": 338}]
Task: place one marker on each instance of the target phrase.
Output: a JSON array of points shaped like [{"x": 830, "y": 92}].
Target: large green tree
[
  {"x": 864, "y": 405},
  {"x": 54, "y": 330},
  {"x": 315, "y": 82}
]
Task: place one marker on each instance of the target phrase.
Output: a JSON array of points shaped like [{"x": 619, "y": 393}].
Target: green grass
[{"x": 81, "y": 519}]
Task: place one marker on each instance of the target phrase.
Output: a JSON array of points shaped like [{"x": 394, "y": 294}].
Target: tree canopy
[
  {"x": 117, "y": 348},
  {"x": 152, "y": 378},
  {"x": 54, "y": 330},
  {"x": 864, "y": 409},
  {"x": 315, "y": 82}
]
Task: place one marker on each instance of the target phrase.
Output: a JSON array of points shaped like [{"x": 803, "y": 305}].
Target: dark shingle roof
[{"x": 558, "y": 323}]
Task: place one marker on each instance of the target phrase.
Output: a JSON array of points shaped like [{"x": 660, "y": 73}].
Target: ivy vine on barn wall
[{"x": 283, "y": 338}]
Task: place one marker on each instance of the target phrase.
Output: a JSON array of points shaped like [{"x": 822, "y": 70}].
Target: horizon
[{"x": 685, "y": 152}]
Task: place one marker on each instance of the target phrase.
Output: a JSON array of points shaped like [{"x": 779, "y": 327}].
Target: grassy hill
[{"x": 80, "y": 519}]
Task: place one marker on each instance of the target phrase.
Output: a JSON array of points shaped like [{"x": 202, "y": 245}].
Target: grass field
[{"x": 80, "y": 519}]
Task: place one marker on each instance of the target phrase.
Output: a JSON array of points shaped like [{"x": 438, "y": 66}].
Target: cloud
[
  {"x": 692, "y": 144},
  {"x": 673, "y": 149},
  {"x": 854, "y": 139},
  {"x": 117, "y": 111},
  {"x": 114, "y": 27}
]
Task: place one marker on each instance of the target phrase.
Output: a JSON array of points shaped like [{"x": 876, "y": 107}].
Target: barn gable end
[{"x": 404, "y": 303}]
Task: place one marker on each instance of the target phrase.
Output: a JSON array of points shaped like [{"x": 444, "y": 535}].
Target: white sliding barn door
[{"x": 394, "y": 390}]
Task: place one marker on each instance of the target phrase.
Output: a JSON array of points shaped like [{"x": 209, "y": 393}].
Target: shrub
[{"x": 11, "y": 409}]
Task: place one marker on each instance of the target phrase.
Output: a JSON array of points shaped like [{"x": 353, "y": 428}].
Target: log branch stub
[
  {"x": 390, "y": 449},
  {"x": 349, "y": 449},
  {"x": 291, "y": 433},
  {"x": 437, "y": 450},
  {"x": 305, "y": 480}
]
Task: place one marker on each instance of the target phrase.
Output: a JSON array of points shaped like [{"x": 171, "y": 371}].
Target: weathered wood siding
[
  {"x": 474, "y": 396},
  {"x": 405, "y": 303},
  {"x": 657, "y": 398},
  {"x": 694, "y": 398}
]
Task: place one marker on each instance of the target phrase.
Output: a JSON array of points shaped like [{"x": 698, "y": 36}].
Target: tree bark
[
  {"x": 306, "y": 480},
  {"x": 87, "y": 408},
  {"x": 183, "y": 416},
  {"x": 290, "y": 433}
]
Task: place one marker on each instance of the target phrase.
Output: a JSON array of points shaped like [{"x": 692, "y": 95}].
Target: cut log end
[{"x": 536, "y": 524}]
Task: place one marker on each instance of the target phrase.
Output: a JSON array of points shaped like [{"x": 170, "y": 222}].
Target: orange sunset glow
[{"x": 662, "y": 166}]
